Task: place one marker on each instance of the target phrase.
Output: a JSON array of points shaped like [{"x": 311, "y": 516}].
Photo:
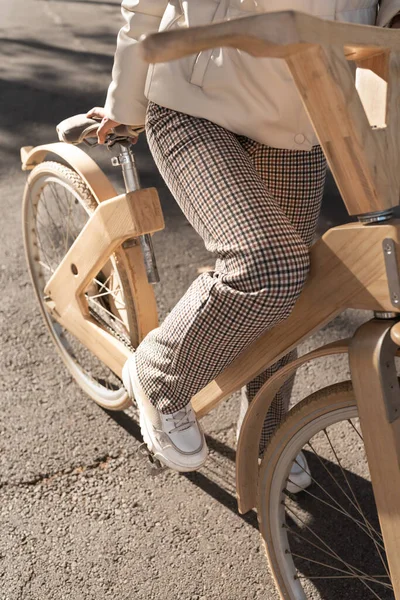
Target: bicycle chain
[{"x": 119, "y": 336}]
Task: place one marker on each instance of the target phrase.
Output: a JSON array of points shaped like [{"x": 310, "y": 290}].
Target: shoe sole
[{"x": 147, "y": 438}]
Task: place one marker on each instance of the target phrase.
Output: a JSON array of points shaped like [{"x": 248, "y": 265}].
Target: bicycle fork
[
  {"x": 126, "y": 160},
  {"x": 372, "y": 363}
]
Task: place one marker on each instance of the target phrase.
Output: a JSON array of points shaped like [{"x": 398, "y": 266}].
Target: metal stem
[
  {"x": 377, "y": 217},
  {"x": 132, "y": 183}
]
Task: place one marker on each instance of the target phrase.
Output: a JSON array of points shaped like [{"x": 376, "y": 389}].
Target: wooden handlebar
[
  {"x": 364, "y": 160},
  {"x": 275, "y": 35}
]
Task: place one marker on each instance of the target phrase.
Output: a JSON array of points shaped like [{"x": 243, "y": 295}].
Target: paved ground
[{"x": 79, "y": 516}]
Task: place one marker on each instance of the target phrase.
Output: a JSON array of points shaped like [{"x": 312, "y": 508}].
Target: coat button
[{"x": 299, "y": 138}]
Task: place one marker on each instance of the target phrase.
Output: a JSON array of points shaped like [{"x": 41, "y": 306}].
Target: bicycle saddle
[{"x": 76, "y": 129}]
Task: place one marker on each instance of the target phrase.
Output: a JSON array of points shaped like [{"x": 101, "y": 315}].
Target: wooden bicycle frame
[
  {"x": 112, "y": 224},
  {"x": 349, "y": 265}
]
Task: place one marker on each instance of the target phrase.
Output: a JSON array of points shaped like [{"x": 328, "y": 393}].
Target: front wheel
[
  {"x": 326, "y": 542},
  {"x": 57, "y": 204}
]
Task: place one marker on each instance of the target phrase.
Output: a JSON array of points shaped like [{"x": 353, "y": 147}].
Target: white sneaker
[
  {"x": 299, "y": 476},
  {"x": 176, "y": 440}
]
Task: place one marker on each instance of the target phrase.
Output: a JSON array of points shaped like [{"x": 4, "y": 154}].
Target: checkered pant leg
[
  {"x": 296, "y": 180},
  {"x": 262, "y": 260},
  {"x": 280, "y": 404}
]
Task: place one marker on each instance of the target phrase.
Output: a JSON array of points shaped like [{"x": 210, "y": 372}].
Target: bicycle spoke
[
  {"x": 66, "y": 216},
  {"x": 73, "y": 213},
  {"x": 353, "y": 570},
  {"x": 108, "y": 312},
  {"x": 311, "y": 577},
  {"x": 358, "y": 509},
  {"x": 324, "y": 551},
  {"x": 67, "y": 232},
  {"x": 377, "y": 546},
  {"x": 325, "y": 541},
  {"x": 43, "y": 227},
  {"x": 42, "y": 251},
  {"x": 42, "y": 264},
  {"x": 346, "y": 574},
  {"x": 340, "y": 507},
  {"x": 340, "y": 510},
  {"x": 58, "y": 217},
  {"x": 108, "y": 293},
  {"x": 356, "y": 430},
  {"x": 57, "y": 227},
  {"x": 56, "y": 198}
]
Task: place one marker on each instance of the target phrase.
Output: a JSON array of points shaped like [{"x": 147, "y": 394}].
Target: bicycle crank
[{"x": 153, "y": 465}]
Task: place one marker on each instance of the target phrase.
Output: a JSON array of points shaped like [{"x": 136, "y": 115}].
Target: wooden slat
[
  {"x": 363, "y": 161},
  {"x": 358, "y": 157},
  {"x": 145, "y": 315},
  {"x": 347, "y": 271},
  {"x": 102, "y": 344},
  {"x": 114, "y": 221},
  {"x": 250, "y": 433},
  {"x": 275, "y": 35},
  {"x": 372, "y": 367},
  {"x": 142, "y": 316}
]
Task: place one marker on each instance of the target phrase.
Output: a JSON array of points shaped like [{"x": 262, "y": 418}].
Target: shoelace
[{"x": 181, "y": 420}]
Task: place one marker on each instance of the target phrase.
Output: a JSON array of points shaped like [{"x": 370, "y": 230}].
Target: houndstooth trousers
[{"x": 256, "y": 209}]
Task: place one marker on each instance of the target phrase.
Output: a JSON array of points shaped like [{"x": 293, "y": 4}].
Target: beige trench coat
[{"x": 249, "y": 96}]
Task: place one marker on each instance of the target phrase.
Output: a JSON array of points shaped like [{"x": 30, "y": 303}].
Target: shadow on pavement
[
  {"x": 48, "y": 84},
  {"x": 55, "y": 82},
  {"x": 332, "y": 540},
  {"x": 51, "y": 84},
  {"x": 319, "y": 533},
  {"x": 198, "y": 479}
]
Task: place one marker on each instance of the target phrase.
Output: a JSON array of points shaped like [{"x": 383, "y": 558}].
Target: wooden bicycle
[{"x": 88, "y": 251}]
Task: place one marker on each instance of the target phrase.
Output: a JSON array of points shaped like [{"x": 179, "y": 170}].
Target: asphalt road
[{"x": 79, "y": 516}]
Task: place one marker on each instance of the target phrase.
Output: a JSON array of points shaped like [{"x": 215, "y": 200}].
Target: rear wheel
[
  {"x": 56, "y": 206},
  {"x": 326, "y": 542}
]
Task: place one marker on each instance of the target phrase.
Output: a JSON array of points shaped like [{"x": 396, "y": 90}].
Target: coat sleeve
[
  {"x": 125, "y": 101},
  {"x": 387, "y": 10}
]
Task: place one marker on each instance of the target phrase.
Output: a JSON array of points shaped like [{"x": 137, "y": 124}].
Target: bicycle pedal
[{"x": 153, "y": 465}]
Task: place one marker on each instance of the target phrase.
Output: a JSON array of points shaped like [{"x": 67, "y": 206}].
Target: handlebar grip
[{"x": 76, "y": 129}]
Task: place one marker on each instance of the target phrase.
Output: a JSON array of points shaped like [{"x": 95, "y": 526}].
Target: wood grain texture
[
  {"x": 145, "y": 306},
  {"x": 114, "y": 221},
  {"x": 275, "y": 35},
  {"x": 372, "y": 86},
  {"x": 366, "y": 177},
  {"x": 250, "y": 433},
  {"x": 363, "y": 160},
  {"x": 378, "y": 64},
  {"x": 372, "y": 365},
  {"x": 102, "y": 344},
  {"x": 347, "y": 271},
  {"x": 146, "y": 317}
]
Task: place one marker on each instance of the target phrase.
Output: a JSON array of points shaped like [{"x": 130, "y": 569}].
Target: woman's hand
[{"x": 106, "y": 124}]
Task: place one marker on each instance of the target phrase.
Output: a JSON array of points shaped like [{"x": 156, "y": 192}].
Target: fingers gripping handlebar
[{"x": 79, "y": 128}]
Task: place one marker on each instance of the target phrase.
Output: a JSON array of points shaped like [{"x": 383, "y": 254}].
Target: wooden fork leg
[{"x": 376, "y": 387}]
